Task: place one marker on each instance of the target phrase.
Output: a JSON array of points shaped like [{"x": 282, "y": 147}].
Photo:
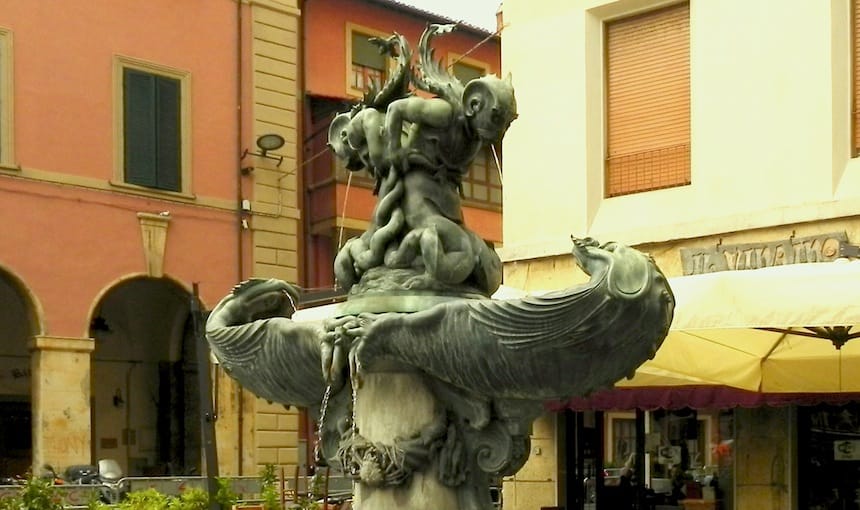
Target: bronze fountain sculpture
[{"x": 424, "y": 387}]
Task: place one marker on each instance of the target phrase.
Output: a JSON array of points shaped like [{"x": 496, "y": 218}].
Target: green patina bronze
[{"x": 419, "y": 302}]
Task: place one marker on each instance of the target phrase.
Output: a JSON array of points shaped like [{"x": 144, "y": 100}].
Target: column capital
[{"x": 62, "y": 343}]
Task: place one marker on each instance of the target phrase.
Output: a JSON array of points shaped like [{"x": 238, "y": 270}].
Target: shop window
[
  {"x": 688, "y": 456},
  {"x": 367, "y": 66},
  {"x": 648, "y": 101},
  {"x": 6, "y": 145},
  {"x": 153, "y": 127},
  {"x": 620, "y": 438}
]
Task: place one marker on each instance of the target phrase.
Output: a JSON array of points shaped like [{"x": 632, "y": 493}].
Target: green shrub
[
  {"x": 150, "y": 499},
  {"x": 269, "y": 488},
  {"x": 36, "y": 494},
  {"x": 190, "y": 499},
  {"x": 225, "y": 495}
]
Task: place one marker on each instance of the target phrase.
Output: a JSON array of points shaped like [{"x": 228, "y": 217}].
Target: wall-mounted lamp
[
  {"x": 266, "y": 143},
  {"x": 100, "y": 325},
  {"x": 117, "y": 398}
]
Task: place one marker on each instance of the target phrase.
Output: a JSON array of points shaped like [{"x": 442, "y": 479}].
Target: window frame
[
  {"x": 7, "y": 103},
  {"x": 492, "y": 182},
  {"x": 458, "y": 58},
  {"x": 120, "y": 64},
  {"x": 352, "y": 28}
]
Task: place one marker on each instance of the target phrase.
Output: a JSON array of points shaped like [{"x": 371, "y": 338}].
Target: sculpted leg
[{"x": 447, "y": 251}]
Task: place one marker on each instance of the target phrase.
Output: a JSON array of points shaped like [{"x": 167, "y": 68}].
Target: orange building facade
[
  {"x": 128, "y": 173},
  {"x": 339, "y": 64}
]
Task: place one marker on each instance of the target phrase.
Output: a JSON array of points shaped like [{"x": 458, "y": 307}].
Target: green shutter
[
  {"x": 139, "y": 127},
  {"x": 168, "y": 162},
  {"x": 152, "y": 130}
]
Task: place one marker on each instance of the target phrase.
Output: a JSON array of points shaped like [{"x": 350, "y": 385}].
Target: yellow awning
[{"x": 715, "y": 336}]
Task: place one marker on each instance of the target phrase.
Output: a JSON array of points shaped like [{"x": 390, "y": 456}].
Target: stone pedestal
[
  {"x": 61, "y": 401},
  {"x": 391, "y": 406}
]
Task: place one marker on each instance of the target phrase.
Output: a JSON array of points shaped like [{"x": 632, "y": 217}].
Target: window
[
  {"x": 153, "y": 127},
  {"x": 483, "y": 183},
  {"x": 466, "y": 69},
  {"x": 6, "y": 146},
  {"x": 466, "y": 73},
  {"x": 367, "y": 66},
  {"x": 622, "y": 433},
  {"x": 648, "y": 101}
]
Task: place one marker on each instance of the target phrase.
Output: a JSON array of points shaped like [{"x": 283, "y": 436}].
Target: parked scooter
[{"x": 108, "y": 474}]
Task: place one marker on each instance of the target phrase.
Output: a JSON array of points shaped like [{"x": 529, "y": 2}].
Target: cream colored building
[{"x": 753, "y": 102}]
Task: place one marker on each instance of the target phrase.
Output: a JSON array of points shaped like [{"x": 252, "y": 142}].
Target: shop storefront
[
  {"x": 648, "y": 449},
  {"x": 753, "y": 399},
  {"x": 661, "y": 459}
]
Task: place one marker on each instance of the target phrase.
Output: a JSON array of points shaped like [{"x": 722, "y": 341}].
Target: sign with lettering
[
  {"x": 732, "y": 257},
  {"x": 846, "y": 449}
]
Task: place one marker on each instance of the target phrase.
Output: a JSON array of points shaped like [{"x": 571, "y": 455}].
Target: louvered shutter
[
  {"x": 139, "y": 127},
  {"x": 152, "y": 130},
  {"x": 167, "y": 135},
  {"x": 648, "y": 101}
]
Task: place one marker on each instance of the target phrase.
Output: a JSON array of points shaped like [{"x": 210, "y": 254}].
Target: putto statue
[
  {"x": 423, "y": 386},
  {"x": 418, "y": 149}
]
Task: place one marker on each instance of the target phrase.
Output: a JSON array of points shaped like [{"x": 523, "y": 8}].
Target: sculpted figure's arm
[{"x": 435, "y": 112}]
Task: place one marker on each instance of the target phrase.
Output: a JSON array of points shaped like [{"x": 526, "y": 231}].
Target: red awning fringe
[{"x": 697, "y": 397}]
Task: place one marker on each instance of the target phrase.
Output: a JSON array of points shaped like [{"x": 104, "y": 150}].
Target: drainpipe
[
  {"x": 239, "y": 129},
  {"x": 301, "y": 105},
  {"x": 239, "y": 197}
]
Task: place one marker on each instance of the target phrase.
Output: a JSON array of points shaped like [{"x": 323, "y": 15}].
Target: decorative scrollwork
[
  {"x": 492, "y": 448},
  {"x": 378, "y": 464}
]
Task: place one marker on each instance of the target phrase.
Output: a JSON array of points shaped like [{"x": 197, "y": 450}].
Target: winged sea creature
[{"x": 565, "y": 343}]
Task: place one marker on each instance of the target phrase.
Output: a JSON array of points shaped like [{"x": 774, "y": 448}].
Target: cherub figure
[{"x": 429, "y": 144}]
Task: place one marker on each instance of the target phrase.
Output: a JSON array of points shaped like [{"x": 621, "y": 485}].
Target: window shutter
[
  {"x": 167, "y": 134},
  {"x": 365, "y": 53},
  {"x": 648, "y": 101},
  {"x": 139, "y": 127}
]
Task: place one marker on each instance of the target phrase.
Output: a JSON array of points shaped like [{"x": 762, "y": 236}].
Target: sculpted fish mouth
[
  {"x": 593, "y": 257},
  {"x": 587, "y": 252}
]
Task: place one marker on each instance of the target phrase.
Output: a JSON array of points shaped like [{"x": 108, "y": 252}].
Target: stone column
[
  {"x": 391, "y": 406},
  {"x": 60, "y": 368}
]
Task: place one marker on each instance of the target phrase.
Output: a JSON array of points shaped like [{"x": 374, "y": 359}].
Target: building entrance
[
  {"x": 146, "y": 411},
  {"x": 17, "y": 327}
]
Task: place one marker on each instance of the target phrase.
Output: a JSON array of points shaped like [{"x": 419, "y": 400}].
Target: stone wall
[
  {"x": 536, "y": 484},
  {"x": 275, "y": 221}
]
